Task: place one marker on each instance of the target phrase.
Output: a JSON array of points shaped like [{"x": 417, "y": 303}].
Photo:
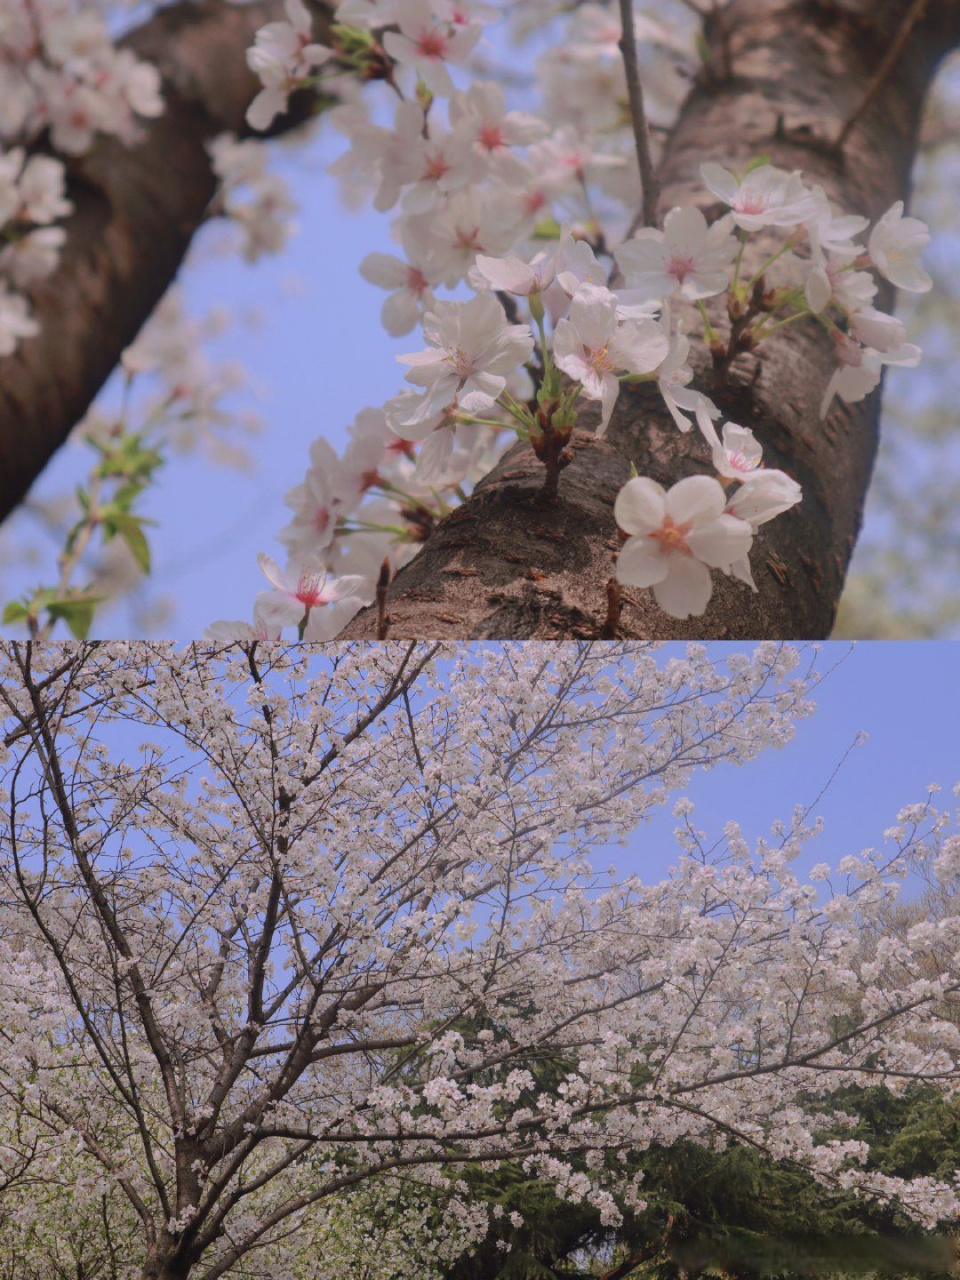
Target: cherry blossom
[
  {"x": 763, "y": 197},
  {"x": 305, "y": 595},
  {"x": 894, "y": 246},
  {"x": 676, "y": 537},
  {"x": 411, "y": 290},
  {"x": 283, "y": 55},
  {"x": 738, "y": 454},
  {"x": 472, "y": 349},
  {"x": 687, "y": 257},
  {"x": 860, "y": 369},
  {"x": 763, "y": 494},
  {"x": 428, "y": 45},
  {"x": 673, "y": 379},
  {"x": 592, "y": 345}
]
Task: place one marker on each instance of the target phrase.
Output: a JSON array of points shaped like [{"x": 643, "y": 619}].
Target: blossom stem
[
  {"x": 784, "y": 248},
  {"x": 744, "y": 237},
  {"x": 709, "y": 333},
  {"x": 765, "y": 328}
]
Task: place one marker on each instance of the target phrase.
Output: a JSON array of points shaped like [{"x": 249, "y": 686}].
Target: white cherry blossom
[
  {"x": 687, "y": 257},
  {"x": 737, "y": 454},
  {"x": 429, "y": 45},
  {"x": 673, "y": 380},
  {"x": 592, "y": 345},
  {"x": 676, "y": 537},
  {"x": 895, "y": 246},
  {"x": 472, "y": 349},
  {"x": 764, "y": 197}
]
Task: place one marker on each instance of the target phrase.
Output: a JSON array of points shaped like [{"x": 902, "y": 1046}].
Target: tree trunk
[
  {"x": 159, "y": 1267},
  {"x": 503, "y": 566},
  {"x": 137, "y": 209}
]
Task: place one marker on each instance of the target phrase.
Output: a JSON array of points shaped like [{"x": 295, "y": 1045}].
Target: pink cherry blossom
[{"x": 305, "y": 594}]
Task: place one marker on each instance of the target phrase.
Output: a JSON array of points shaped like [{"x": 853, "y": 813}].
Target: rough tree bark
[
  {"x": 137, "y": 210},
  {"x": 502, "y": 565}
]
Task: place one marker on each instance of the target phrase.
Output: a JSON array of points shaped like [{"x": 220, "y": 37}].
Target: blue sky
[{"x": 905, "y": 696}]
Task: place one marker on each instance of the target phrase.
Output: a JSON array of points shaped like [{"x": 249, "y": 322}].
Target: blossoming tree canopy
[
  {"x": 279, "y": 922},
  {"x": 560, "y": 304}
]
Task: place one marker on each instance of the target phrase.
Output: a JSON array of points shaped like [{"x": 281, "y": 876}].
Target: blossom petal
[
  {"x": 640, "y": 506},
  {"x": 641, "y": 563},
  {"x": 694, "y": 499},
  {"x": 686, "y": 589},
  {"x": 721, "y": 542}
]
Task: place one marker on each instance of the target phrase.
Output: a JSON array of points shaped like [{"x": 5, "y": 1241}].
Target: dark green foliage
[{"x": 733, "y": 1212}]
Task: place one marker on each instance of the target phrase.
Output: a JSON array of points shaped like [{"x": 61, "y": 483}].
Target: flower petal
[
  {"x": 694, "y": 499},
  {"x": 641, "y": 563},
  {"x": 640, "y": 506},
  {"x": 686, "y": 589}
]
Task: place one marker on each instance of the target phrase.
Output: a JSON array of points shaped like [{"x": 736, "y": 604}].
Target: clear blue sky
[{"x": 905, "y": 696}]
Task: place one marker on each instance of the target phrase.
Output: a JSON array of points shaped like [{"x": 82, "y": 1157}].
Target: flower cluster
[
  {"x": 60, "y": 72},
  {"x": 31, "y": 200},
  {"x": 677, "y": 536},
  {"x": 532, "y": 211}
]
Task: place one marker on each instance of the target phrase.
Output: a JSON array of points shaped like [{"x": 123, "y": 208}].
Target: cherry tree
[
  {"x": 682, "y": 248},
  {"x": 283, "y": 923}
]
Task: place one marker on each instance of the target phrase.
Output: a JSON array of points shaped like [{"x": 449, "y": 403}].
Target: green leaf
[
  {"x": 15, "y": 611},
  {"x": 130, "y": 529},
  {"x": 757, "y": 162},
  {"x": 77, "y": 614}
]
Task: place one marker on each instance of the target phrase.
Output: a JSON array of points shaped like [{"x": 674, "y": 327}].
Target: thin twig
[
  {"x": 648, "y": 177},
  {"x": 609, "y": 629},
  {"x": 913, "y": 16}
]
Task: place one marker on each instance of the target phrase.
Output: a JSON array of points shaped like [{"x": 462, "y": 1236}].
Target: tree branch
[{"x": 638, "y": 116}]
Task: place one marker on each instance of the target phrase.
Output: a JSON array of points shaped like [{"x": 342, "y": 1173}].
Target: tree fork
[{"x": 502, "y": 566}]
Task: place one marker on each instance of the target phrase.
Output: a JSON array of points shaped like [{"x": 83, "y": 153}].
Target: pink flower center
[
  {"x": 751, "y": 204},
  {"x": 321, "y": 519},
  {"x": 437, "y": 165},
  {"x": 739, "y": 462},
  {"x": 534, "y": 201},
  {"x": 416, "y": 281},
  {"x": 680, "y": 267},
  {"x": 369, "y": 478},
  {"x": 467, "y": 238},
  {"x": 672, "y": 537},
  {"x": 406, "y": 447},
  {"x": 433, "y": 44},
  {"x": 491, "y": 137},
  {"x": 310, "y": 589}
]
